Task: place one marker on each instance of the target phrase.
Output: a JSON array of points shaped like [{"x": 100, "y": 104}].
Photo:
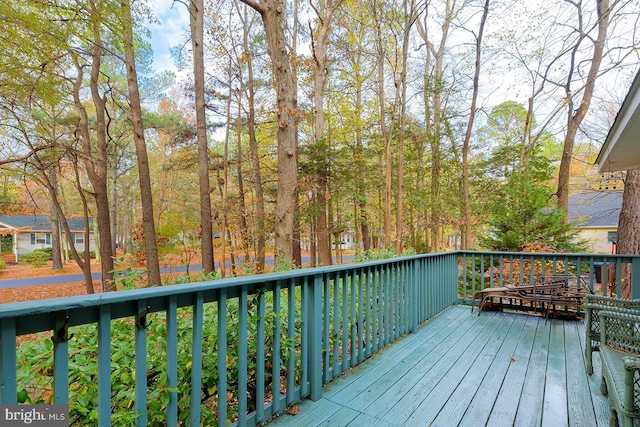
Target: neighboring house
[
  {"x": 22, "y": 234},
  {"x": 596, "y": 216}
]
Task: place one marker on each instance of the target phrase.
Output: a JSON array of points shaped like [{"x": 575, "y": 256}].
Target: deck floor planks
[
  {"x": 536, "y": 389},
  {"x": 504, "y": 380},
  {"x": 531, "y": 399},
  {"x": 450, "y": 411},
  {"x": 554, "y": 411},
  {"x": 579, "y": 403},
  {"x": 386, "y": 391},
  {"x": 399, "y": 402},
  {"x": 363, "y": 376},
  {"x": 600, "y": 404},
  {"x": 309, "y": 414}
]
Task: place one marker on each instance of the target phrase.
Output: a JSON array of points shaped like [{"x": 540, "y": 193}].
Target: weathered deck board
[{"x": 497, "y": 369}]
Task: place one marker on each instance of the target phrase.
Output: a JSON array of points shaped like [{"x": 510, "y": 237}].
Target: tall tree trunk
[
  {"x": 223, "y": 180},
  {"x": 628, "y": 232},
  {"x": 468, "y": 218},
  {"x": 56, "y": 240},
  {"x": 96, "y": 163},
  {"x": 296, "y": 250},
  {"x": 148, "y": 224},
  {"x": 321, "y": 71},
  {"x": 409, "y": 19},
  {"x": 575, "y": 117},
  {"x": 359, "y": 160},
  {"x": 256, "y": 176},
  {"x": 196, "y": 11},
  {"x": 385, "y": 133},
  {"x": 272, "y": 13},
  {"x": 114, "y": 210},
  {"x": 242, "y": 205},
  {"x": 434, "y": 87}
]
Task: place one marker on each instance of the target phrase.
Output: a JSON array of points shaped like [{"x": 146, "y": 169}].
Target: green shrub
[
  {"x": 35, "y": 372},
  {"x": 37, "y": 258},
  {"x": 3, "y": 264}
]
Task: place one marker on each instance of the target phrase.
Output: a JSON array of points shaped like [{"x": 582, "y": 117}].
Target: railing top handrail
[
  {"x": 621, "y": 257},
  {"x": 85, "y": 301},
  {"x": 96, "y": 300}
]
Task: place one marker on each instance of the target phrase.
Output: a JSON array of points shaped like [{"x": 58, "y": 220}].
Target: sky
[{"x": 170, "y": 31}]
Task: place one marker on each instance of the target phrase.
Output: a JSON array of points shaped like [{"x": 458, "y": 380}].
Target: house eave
[{"x": 621, "y": 149}]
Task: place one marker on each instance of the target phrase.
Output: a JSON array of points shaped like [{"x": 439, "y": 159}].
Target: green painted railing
[
  {"x": 603, "y": 274},
  {"x": 240, "y": 350}
]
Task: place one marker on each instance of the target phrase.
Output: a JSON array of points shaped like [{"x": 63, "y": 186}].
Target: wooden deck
[{"x": 496, "y": 369}]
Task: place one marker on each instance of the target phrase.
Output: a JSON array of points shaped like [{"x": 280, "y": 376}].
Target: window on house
[
  {"x": 78, "y": 238},
  {"x": 40, "y": 238},
  {"x": 612, "y": 236}
]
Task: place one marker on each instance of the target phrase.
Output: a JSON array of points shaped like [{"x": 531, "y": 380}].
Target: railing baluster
[
  {"x": 368, "y": 319},
  {"x": 304, "y": 336},
  {"x": 604, "y": 274},
  {"x": 353, "y": 320},
  {"x": 172, "y": 360},
  {"x": 222, "y": 357},
  {"x": 335, "y": 333},
  {"x": 326, "y": 328},
  {"x": 344, "y": 308},
  {"x": 361, "y": 313},
  {"x": 277, "y": 347},
  {"x": 8, "y": 367},
  {"x": 141, "y": 363},
  {"x": 490, "y": 270},
  {"x": 388, "y": 302},
  {"x": 375, "y": 294},
  {"x": 618, "y": 276},
  {"x": 635, "y": 277},
  {"x": 316, "y": 323},
  {"x": 510, "y": 268},
  {"x": 260, "y": 358},
  {"x": 61, "y": 359},
  {"x": 196, "y": 359},
  {"x": 291, "y": 334},
  {"x": 104, "y": 366},
  {"x": 243, "y": 337}
]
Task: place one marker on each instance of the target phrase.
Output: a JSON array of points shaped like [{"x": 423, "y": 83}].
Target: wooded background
[{"x": 409, "y": 125}]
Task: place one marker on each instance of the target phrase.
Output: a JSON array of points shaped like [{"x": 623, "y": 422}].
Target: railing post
[
  {"x": 8, "y": 375},
  {"x": 314, "y": 320},
  {"x": 635, "y": 277}
]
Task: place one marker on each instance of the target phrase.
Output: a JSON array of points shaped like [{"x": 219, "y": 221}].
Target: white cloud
[{"x": 169, "y": 32}]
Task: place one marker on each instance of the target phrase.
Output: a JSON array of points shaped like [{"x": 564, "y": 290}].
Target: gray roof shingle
[
  {"x": 40, "y": 222},
  {"x": 595, "y": 209}
]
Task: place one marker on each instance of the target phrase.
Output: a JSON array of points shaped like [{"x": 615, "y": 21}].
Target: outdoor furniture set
[
  {"x": 545, "y": 293},
  {"x": 613, "y": 329}
]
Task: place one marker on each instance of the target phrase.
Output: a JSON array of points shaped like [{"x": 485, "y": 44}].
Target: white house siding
[
  {"x": 597, "y": 238},
  {"x": 25, "y": 246}
]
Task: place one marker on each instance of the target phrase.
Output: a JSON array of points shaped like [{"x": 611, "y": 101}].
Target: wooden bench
[
  {"x": 545, "y": 292},
  {"x": 620, "y": 355},
  {"x": 596, "y": 304}
]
